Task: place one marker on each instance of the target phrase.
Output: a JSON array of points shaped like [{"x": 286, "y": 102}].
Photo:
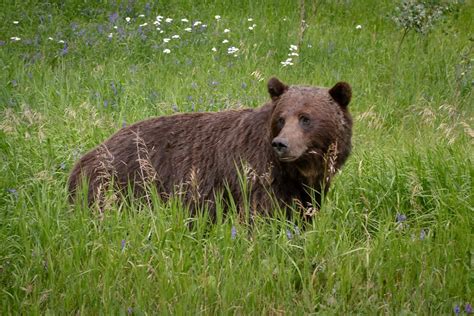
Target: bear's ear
[
  {"x": 341, "y": 93},
  {"x": 276, "y": 88}
]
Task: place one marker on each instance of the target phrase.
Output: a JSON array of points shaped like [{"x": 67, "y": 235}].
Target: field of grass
[{"x": 394, "y": 236}]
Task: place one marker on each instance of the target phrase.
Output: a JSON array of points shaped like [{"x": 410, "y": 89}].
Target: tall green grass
[{"x": 393, "y": 236}]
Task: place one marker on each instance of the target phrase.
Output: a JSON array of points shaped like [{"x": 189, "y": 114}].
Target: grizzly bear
[{"x": 286, "y": 151}]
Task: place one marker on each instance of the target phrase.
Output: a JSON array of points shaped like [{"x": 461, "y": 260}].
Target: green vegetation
[{"x": 395, "y": 234}]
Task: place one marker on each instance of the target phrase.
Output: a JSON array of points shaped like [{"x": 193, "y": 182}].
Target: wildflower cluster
[
  {"x": 418, "y": 15},
  {"x": 293, "y": 52}
]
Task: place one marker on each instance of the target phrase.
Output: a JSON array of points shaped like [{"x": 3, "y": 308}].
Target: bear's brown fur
[{"x": 288, "y": 150}]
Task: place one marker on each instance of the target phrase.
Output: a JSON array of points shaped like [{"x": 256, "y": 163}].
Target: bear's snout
[{"x": 280, "y": 145}]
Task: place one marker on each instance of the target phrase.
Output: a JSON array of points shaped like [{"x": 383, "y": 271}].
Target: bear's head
[{"x": 308, "y": 121}]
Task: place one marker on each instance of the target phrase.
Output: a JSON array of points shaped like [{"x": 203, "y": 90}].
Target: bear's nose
[{"x": 280, "y": 145}]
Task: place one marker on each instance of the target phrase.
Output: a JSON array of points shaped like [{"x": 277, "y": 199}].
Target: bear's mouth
[{"x": 287, "y": 158}]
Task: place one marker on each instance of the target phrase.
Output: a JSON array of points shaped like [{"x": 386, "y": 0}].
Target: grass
[{"x": 412, "y": 160}]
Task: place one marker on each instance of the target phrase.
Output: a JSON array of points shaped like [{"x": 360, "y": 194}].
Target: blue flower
[
  {"x": 401, "y": 218},
  {"x": 114, "y": 88},
  {"x": 233, "y": 232},
  {"x": 457, "y": 309},
  {"x": 468, "y": 308},
  {"x": 13, "y": 192},
  {"x": 113, "y": 17},
  {"x": 289, "y": 234},
  {"x": 422, "y": 234},
  {"x": 65, "y": 50},
  {"x": 122, "y": 244}
]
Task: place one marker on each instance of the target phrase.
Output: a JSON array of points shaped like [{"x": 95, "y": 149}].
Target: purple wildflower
[
  {"x": 106, "y": 103},
  {"x": 289, "y": 234},
  {"x": 130, "y": 310},
  {"x": 233, "y": 232},
  {"x": 2, "y": 43},
  {"x": 65, "y": 50},
  {"x": 74, "y": 26},
  {"x": 13, "y": 192},
  {"x": 100, "y": 28},
  {"x": 457, "y": 309},
  {"x": 113, "y": 17},
  {"x": 422, "y": 234},
  {"x": 401, "y": 218},
  {"x": 244, "y": 85},
  {"x": 174, "y": 107},
  {"x": 122, "y": 244},
  {"x": 114, "y": 88},
  {"x": 124, "y": 124},
  {"x": 468, "y": 308},
  {"x": 14, "y": 83}
]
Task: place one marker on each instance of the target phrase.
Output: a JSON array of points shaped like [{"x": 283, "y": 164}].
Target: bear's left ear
[
  {"x": 276, "y": 88},
  {"x": 341, "y": 93}
]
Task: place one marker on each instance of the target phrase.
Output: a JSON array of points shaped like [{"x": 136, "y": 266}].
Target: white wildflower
[
  {"x": 204, "y": 26},
  {"x": 287, "y": 62},
  {"x": 250, "y": 19},
  {"x": 61, "y": 42},
  {"x": 15, "y": 39},
  {"x": 226, "y": 31},
  {"x": 156, "y": 22},
  {"x": 217, "y": 17},
  {"x": 50, "y": 38},
  {"x": 185, "y": 20},
  {"x": 16, "y": 22},
  {"x": 232, "y": 50},
  {"x": 159, "y": 18},
  {"x": 115, "y": 27},
  {"x": 293, "y": 47},
  {"x": 144, "y": 24},
  {"x": 166, "y": 40},
  {"x": 197, "y": 23},
  {"x": 127, "y": 19},
  {"x": 293, "y": 54},
  {"x": 358, "y": 27},
  {"x": 110, "y": 35},
  {"x": 214, "y": 49},
  {"x": 225, "y": 41},
  {"x": 141, "y": 16},
  {"x": 188, "y": 29},
  {"x": 161, "y": 32},
  {"x": 175, "y": 36},
  {"x": 169, "y": 20},
  {"x": 166, "y": 51}
]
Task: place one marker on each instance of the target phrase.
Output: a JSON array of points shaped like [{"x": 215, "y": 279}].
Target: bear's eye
[
  {"x": 305, "y": 121},
  {"x": 280, "y": 122}
]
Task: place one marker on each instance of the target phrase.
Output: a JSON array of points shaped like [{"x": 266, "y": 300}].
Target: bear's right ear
[
  {"x": 276, "y": 88},
  {"x": 341, "y": 93}
]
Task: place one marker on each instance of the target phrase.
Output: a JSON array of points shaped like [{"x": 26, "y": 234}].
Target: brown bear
[{"x": 286, "y": 151}]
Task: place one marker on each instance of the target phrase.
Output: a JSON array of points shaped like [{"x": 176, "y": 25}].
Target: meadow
[{"x": 394, "y": 235}]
